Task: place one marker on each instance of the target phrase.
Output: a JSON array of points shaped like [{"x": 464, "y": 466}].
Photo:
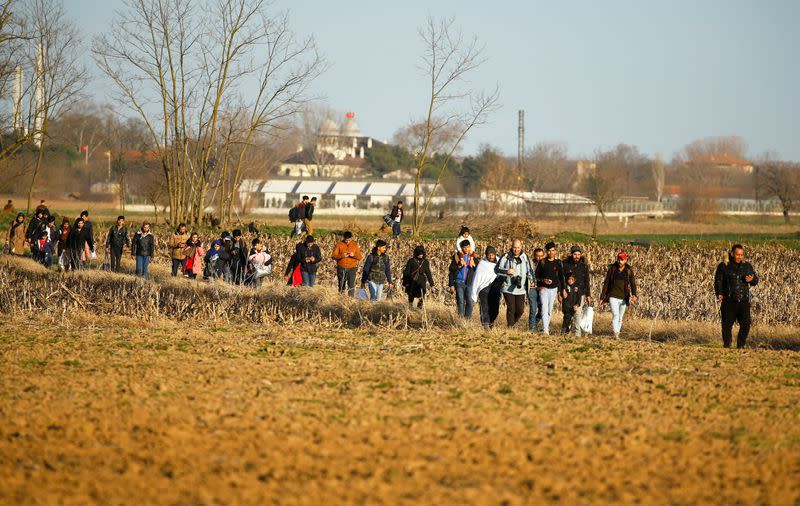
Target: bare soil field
[{"x": 119, "y": 410}]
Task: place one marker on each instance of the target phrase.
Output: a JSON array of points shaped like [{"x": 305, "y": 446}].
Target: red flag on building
[{"x": 85, "y": 148}]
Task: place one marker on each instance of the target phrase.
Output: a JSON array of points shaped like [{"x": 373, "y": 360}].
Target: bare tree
[
  {"x": 448, "y": 59},
  {"x": 13, "y": 38},
  {"x": 703, "y": 148},
  {"x": 319, "y": 136},
  {"x": 602, "y": 191},
  {"x": 181, "y": 66},
  {"x": 545, "y": 167},
  {"x": 443, "y": 137},
  {"x": 782, "y": 181},
  {"x": 658, "y": 174},
  {"x": 54, "y": 54}
]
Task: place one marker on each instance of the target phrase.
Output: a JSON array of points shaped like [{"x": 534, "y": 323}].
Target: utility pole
[{"x": 521, "y": 139}]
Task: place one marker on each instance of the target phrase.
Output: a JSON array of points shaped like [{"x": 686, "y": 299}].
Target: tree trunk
[
  {"x": 36, "y": 168},
  {"x": 594, "y": 226}
]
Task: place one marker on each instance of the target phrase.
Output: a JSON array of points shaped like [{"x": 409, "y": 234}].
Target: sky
[{"x": 590, "y": 74}]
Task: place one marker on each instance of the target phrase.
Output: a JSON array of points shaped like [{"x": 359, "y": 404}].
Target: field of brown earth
[{"x": 117, "y": 410}]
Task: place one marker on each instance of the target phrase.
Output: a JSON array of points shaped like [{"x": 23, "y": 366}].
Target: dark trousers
[
  {"x": 489, "y": 299},
  {"x": 515, "y": 308},
  {"x": 735, "y": 312},
  {"x": 116, "y": 256},
  {"x": 396, "y": 230},
  {"x": 569, "y": 314},
  {"x": 416, "y": 292},
  {"x": 347, "y": 280},
  {"x": 177, "y": 265}
]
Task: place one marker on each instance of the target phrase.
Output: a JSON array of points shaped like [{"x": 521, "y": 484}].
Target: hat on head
[
  {"x": 622, "y": 255},
  {"x": 490, "y": 249},
  {"x": 549, "y": 245},
  {"x": 575, "y": 249}
]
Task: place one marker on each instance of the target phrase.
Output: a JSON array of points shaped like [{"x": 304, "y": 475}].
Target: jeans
[
  {"x": 515, "y": 307},
  {"x": 489, "y": 299},
  {"x": 309, "y": 278},
  {"x": 618, "y": 307},
  {"x": 463, "y": 300},
  {"x": 115, "y": 258},
  {"x": 375, "y": 290},
  {"x": 347, "y": 280},
  {"x": 535, "y": 308},
  {"x": 732, "y": 312},
  {"x": 396, "y": 230},
  {"x": 177, "y": 266},
  {"x": 141, "y": 265},
  {"x": 548, "y": 296}
]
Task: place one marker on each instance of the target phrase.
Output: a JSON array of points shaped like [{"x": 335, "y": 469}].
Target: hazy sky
[{"x": 588, "y": 73}]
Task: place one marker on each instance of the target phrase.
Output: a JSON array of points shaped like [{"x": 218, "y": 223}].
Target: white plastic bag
[
  {"x": 361, "y": 294},
  {"x": 587, "y": 318}
]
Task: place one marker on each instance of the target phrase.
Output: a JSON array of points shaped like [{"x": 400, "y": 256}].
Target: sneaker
[{"x": 616, "y": 335}]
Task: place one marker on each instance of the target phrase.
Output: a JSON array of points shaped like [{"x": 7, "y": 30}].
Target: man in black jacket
[
  {"x": 732, "y": 283},
  {"x": 116, "y": 241},
  {"x": 307, "y": 255},
  {"x": 238, "y": 251},
  {"x": 576, "y": 264},
  {"x": 396, "y": 218}
]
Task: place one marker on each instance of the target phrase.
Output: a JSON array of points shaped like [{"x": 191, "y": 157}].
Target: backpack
[{"x": 294, "y": 214}]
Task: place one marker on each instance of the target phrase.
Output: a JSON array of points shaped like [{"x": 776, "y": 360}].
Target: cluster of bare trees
[
  {"x": 209, "y": 79},
  {"x": 41, "y": 61}
]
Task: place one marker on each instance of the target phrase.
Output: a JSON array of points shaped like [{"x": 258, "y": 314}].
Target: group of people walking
[{"x": 534, "y": 282}]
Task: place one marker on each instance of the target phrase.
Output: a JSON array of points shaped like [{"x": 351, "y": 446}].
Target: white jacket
[
  {"x": 483, "y": 277},
  {"x": 467, "y": 238}
]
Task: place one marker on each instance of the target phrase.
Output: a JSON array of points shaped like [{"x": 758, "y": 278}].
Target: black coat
[
  {"x": 581, "y": 272},
  {"x": 309, "y": 211},
  {"x": 78, "y": 237},
  {"x": 395, "y": 211},
  {"x": 301, "y": 251},
  {"x": 144, "y": 245},
  {"x": 630, "y": 282},
  {"x": 552, "y": 270},
  {"x": 416, "y": 273},
  {"x": 729, "y": 281},
  {"x": 118, "y": 238}
]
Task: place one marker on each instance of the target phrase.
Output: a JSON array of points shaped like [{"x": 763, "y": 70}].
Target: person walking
[
  {"x": 309, "y": 215},
  {"x": 296, "y": 215},
  {"x": 239, "y": 256},
  {"x": 416, "y": 276},
  {"x": 551, "y": 283},
  {"x": 570, "y": 306},
  {"x": 42, "y": 250},
  {"x": 142, "y": 249},
  {"x": 261, "y": 264},
  {"x": 534, "y": 301},
  {"x": 34, "y": 226},
  {"x": 193, "y": 253},
  {"x": 16, "y": 235},
  {"x": 396, "y": 218},
  {"x": 619, "y": 290},
  {"x": 78, "y": 242},
  {"x": 347, "y": 254},
  {"x": 307, "y": 256},
  {"x": 176, "y": 243},
  {"x": 486, "y": 288},
  {"x": 732, "y": 281},
  {"x": 377, "y": 272},
  {"x": 63, "y": 235},
  {"x": 461, "y": 272},
  {"x": 515, "y": 268},
  {"x": 116, "y": 241}
]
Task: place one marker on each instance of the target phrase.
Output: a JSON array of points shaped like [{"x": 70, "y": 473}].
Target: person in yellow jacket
[
  {"x": 177, "y": 252},
  {"x": 347, "y": 255}
]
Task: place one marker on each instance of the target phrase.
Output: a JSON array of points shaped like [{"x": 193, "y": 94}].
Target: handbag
[{"x": 587, "y": 318}]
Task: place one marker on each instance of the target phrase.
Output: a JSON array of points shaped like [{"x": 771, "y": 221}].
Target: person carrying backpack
[
  {"x": 296, "y": 216},
  {"x": 416, "y": 275}
]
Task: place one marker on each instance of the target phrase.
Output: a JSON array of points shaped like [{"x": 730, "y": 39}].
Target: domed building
[{"x": 340, "y": 152}]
